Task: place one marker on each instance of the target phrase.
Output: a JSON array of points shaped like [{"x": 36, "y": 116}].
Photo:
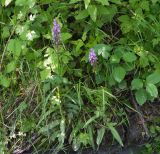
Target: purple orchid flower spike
[
  {"x": 56, "y": 32},
  {"x": 92, "y": 57}
]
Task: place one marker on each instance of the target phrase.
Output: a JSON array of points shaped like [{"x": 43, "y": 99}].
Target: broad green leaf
[
  {"x": 103, "y": 2},
  {"x": 15, "y": 46},
  {"x": 153, "y": 78},
  {"x": 100, "y": 134},
  {"x": 65, "y": 36},
  {"x": 86, "y": 3},
  {"x": 5, "y": 32},
  {"x": 92, "y": 10},
  {"x": 141, "y": 96},
  {"x": 82, "y": 14},
  {"x": 152, "y": 90},
  {"x": 129, "y": 57},
  {"x": 137, "y": 84},
  {"x": 102, "y": 49},
  {"x": 11, "y": 67},
  {"x": 115, "y": 133},
  {"x": 114, "y": 59},
  {"x": 4, "y": 81},
  {"x": 119, "y": 73},
  {"x": 45, "y": 74}
]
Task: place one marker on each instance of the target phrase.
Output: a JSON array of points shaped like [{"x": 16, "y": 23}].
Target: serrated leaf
[
  {"x": 129, "y": 57},
  {"x": 141, "y": 96},
  {"x": 100, "y": 134},
  {"x": 86, "y": 3},
  {"x": 152, "y": 90},
  {"x": 137, "y": 84},
  {"x": 115, "y": 133},
  {"x": 153, "y": 78},
  {"x": 92, "y": 10},
  {"x": 103, "y": 2},
  {"x": 119, "y": 73}
]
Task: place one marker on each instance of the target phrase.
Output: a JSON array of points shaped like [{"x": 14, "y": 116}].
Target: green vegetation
[{"x": 77, "y": 87}]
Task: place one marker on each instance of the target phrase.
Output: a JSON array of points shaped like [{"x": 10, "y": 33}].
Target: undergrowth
[{"x": 69, "y": 70}]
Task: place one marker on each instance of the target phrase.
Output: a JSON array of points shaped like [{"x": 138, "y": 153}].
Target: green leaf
[
  {"x": 14, "y": 46},
  {"x": 115, "y": 1},
  {"x": 91, "y": 136},
  {"x": 92, "y": 10},
  {"x": 4, "y": 81},
  {"x": 152, "y": 90},
  {"x": 11, "y": 67},
  {"x": 141, "y": 96},
  {"x": 7, "y": 2},
  {"x": 45, "y": 74},
  {"x": 102, "y": 49},
  {"x": 129, "y": 57},
  {"x": 153, "y": 78},
  {"x": 27, "y": 125},
  {"x": 100, "y": 135},
  {"x": 65, "y": 36},
  {"x": 114, "y": 59},
  {"x": 119, "y": 73},
  {"x": 86, "y": 3},
  {"x": 5, "y": 32},
  {"x": 103, "y": 2},
  {"x": 115, "y": 133},
  {"x": 29, "y": 3},
  {"x": 137, "y": 84},
  {"x": 82, "y": 15},
  {"x": 145, "y": 5}
]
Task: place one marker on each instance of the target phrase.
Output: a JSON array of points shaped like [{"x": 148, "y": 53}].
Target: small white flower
[
  {"x": 30, "y": 35},
  {"x": 12, "y": 135},
  {"x": 32, "y": 17},
  {"x": 20, "y": 133}
]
